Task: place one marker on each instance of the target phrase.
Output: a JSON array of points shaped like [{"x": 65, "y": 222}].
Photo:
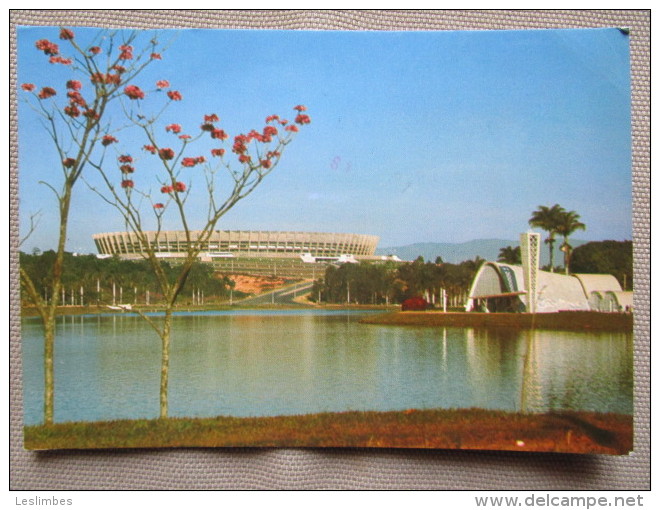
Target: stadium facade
[{"x": 251, "y": 251}]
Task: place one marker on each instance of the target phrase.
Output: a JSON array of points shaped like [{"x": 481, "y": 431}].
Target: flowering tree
[
  {"x": 81, "y": 134},
  {"x": 228, "y": 175}
]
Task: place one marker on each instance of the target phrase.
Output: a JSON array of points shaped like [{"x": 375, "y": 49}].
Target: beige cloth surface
[{"x": 351, "y": 468}]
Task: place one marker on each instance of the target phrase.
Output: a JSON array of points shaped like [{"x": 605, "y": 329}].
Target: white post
[
  {"x": 82, "y": 294},
  {"x": 114, "y": 294}
]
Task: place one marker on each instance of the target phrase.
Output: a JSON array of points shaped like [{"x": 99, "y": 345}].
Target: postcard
[{"x": 326, "y": 239}]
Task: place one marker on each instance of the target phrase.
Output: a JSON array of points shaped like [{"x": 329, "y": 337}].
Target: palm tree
[
  {"x": 569, "y": 223},
  {"x": 509, "y": 255},
  {"x": 547, "y": 218}
]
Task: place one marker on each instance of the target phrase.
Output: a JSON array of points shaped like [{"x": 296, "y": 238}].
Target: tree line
[
  {"x": 89, "y": 280},
  {"x": 392, "y": 283}
]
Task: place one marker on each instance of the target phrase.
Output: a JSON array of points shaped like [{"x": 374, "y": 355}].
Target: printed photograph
[{"x": 268, "y": 238}]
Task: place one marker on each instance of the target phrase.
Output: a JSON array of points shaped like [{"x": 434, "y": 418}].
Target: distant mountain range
[{"x": 454, "y": 253}]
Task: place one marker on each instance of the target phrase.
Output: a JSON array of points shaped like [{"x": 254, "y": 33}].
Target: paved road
[{"x": 283, "y": 296}]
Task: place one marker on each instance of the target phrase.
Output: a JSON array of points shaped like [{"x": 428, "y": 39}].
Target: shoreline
[
  {"x": 469, "y": 429},
  {"x": 558, "y": 321}
]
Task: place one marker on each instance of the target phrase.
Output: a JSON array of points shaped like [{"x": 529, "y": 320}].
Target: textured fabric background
[{"x": 355, "y": 469}]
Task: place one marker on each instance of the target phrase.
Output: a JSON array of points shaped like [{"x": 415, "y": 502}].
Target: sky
[{"x": 415, "y": 136}]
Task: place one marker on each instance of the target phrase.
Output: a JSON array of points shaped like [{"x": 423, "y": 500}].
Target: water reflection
[{"x": 260, "y": 364}]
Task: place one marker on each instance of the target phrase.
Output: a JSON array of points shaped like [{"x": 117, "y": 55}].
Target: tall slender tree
[
  {"x": 256, "y": 153},
  {"x": 569, "y": 222},
  {"x": 548, "y": 218},
  {"x": 80, "y": 133}
]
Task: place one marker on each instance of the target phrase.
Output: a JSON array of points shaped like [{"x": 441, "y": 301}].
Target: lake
[{"x": 267, "y": 363}]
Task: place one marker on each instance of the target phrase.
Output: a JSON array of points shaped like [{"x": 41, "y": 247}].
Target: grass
[
  {"x": 559, "y": 321},
  {"x": 446, "y": 429}
]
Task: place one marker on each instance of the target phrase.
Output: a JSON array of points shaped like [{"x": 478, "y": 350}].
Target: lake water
[{"x": 266, "y": 363}]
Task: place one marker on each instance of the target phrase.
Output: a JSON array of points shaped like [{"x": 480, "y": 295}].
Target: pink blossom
[
  {"x": 134, "y": 92},
  {"x": 66, "y": 34},
  {"x": 174, "y": 95},
  {"x": 47, "y": 47},
  {"x": 162, "y": 84},
  {"x": 73, "y": 85},
  {"x": 47, "y": 92},
  {"x": 108, "y": 139},
  {"x": 166, "y": 154}
]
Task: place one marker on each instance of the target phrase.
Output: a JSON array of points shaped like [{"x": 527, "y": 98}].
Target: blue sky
[{"x": 415, "y": 136}]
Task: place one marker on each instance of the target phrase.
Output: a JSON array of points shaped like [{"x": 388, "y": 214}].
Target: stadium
[{"x": 280, "y": 253}]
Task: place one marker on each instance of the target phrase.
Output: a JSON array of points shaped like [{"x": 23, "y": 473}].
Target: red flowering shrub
[
  {"x": 300, "y": 108},
  {"x": 166, "y": 154},
  {"x": 28, "y": 87},
  {"x": 126, "y": 183},
  {"x": 244, "y": 158},
  {"x": 211, "y": 118},
  {"x": 95, "y": 50},
  {"x": 162, "y": 84},
  {"x": 108, "y": 139},
  {"x": 174, "y": 95},
  {"x": 159, "y": 206},
  {"x": 150, "y": 148},
  {"x": 127, "y": 169},
  {"x": 179, "y": 187},
  {"x": 133, "y": 92},
  {"x": 217, "y": 152},
  {"x": 68, "y": 162},
  {"x": 155, "y": 56},
  {"x": 174, "y": 128},
  {"x": 414, "y": 304},
  {"x": 266, "y": 163},
  {"x": 166, "y": 189},
  {"x": 47, "y": 92},
  {"x": 292, "y": 128},
  {"x": 184, "y": 137},
  {"x": 125, "y": 158}
]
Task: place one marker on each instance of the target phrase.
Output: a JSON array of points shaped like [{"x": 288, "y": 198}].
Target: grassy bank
[
  {"x": 568, "y": 321},
  {"x": 466, "y": 429}
]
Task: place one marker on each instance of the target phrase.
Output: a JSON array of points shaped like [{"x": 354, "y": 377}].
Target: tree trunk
[
  {"x": 49, "y": 372},
  {"x": 165, "y": 362}
]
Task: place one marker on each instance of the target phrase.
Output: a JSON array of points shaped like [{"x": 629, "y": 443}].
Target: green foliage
[
  {"x": 605, "y": 257},
  {"x": 510, "y": 255},
  {"x": 388, "y": 283},
  {"x": 90, "y": 273}
]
